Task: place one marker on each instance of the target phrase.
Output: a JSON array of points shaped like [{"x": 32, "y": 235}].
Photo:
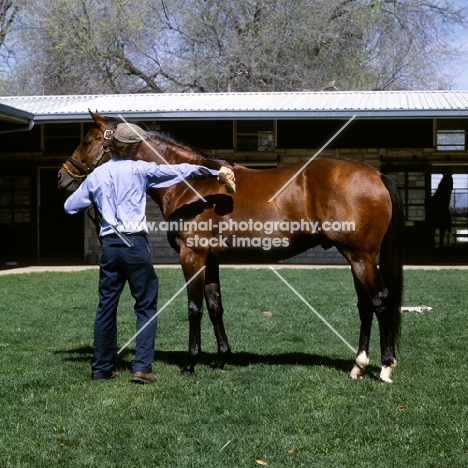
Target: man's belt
[{"x": 124, "y": 237}]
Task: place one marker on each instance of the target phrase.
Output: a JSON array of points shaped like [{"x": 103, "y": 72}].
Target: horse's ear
[{"x": 99, "y": 120}]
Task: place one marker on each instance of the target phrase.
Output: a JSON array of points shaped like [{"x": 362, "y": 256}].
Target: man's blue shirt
[{"x": 118, "y": 190}]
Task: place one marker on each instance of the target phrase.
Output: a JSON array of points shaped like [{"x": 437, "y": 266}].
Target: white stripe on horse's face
[{"x": 362, "y": 361}]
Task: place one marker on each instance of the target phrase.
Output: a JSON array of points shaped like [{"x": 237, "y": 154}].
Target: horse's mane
[{"x": 193, "y": 154}]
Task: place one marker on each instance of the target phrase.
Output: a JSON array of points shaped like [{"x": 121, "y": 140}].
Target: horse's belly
[{"x": 264, "y": 249}]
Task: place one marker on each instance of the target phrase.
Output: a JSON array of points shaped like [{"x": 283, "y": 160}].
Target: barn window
[
  {"x": 451, "y": 134},
  {"x": 255, "y": 143},
  {"x": 255, "y": 135},
  {"x": 61, "y": 138}
]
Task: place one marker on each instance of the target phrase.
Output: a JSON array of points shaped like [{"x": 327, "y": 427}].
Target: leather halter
[{"x": 86, "y": 169}]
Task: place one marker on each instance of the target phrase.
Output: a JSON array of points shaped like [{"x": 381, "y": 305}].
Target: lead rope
[{"x": 95, "y": 216}]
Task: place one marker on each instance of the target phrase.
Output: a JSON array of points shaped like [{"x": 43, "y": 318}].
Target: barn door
[
  {"x": 18, "y": 245},
  {"x": 454, "y": 248},
  {"x": 61, "y": 237},
  {"x": 415, "y": 186}
]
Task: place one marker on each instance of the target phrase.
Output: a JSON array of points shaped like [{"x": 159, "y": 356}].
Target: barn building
[{"x": 413, "y": 136}]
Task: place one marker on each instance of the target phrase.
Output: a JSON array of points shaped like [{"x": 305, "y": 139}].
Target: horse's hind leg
[
  {"x": 215, "y": 309},
  {"x": 373, "y": 299}
]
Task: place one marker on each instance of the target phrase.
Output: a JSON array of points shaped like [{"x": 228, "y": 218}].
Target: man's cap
[{"x": 129, "y": 133}]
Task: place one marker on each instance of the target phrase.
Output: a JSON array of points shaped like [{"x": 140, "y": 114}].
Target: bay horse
[{"x": 329, "y": 191}]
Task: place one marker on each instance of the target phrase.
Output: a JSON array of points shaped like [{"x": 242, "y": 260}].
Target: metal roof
[{"x": 287, "y": 105}]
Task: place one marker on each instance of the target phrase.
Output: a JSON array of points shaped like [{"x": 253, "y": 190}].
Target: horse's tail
[{"x": 391, "y": 261}]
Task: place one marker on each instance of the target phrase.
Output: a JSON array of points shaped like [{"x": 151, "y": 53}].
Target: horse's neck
[{"x": 164, "y": 151}]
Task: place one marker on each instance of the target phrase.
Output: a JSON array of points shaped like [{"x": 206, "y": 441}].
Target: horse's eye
[{"x": 85, "y": 143}]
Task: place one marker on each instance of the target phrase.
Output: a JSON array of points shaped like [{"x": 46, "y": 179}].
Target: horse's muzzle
[{"x": 65, "y": 182}]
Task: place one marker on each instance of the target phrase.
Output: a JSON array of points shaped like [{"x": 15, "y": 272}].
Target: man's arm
[
  {"x": 166, "y": 175},
  {"x": 78, "y": 200}
]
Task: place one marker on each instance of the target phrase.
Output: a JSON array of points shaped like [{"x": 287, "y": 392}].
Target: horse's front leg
[
  {"x": 215, "y": 309},
  {"x": 191, "y": 266}
]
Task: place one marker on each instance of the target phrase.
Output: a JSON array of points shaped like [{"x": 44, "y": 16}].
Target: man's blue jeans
[{"x": 119, "y": 264}]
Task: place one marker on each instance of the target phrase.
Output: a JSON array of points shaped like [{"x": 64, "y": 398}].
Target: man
[{"x": 118, "y": 190}]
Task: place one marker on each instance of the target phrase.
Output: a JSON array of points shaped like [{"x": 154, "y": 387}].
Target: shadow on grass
[
  {"x": 240, "y": 359},
  {"x": 85, "y": 354},
  {"x": 244, "y": 359}
]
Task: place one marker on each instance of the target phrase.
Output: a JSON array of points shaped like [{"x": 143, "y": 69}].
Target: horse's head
[{"x": 91, "y": 152}]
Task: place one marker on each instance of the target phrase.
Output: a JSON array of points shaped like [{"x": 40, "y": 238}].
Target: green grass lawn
[{"x": 285, "y": 399}]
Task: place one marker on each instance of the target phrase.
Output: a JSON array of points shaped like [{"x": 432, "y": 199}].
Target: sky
[{"x": 460, "y": 81}]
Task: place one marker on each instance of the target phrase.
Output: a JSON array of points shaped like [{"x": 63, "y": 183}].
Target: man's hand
[{"x": 226, "y": 176}]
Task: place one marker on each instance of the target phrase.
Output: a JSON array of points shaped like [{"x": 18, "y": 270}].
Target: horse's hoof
[
  {"x": 385, "y": 381},
  {"x": 354, "y": 376},
  {"x": 218, "y": 366},
  {"x": 356, "y": 373},
  {"x": 362, "y": 361},
  {"x": 187, "y": 372},
  {"x": 386, "y": 373}
]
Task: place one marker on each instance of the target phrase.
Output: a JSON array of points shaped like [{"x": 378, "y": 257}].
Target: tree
[
  {"x": 120, "y": 46},
  {"x": 8, "y": 13},
  {"x": 83, "y": 45},
  {"x": 268, "y": 45},
  {"x": 412, "y": 41}
]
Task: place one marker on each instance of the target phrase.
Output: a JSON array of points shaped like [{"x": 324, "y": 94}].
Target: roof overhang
[{"x": 14, "y": 120}]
